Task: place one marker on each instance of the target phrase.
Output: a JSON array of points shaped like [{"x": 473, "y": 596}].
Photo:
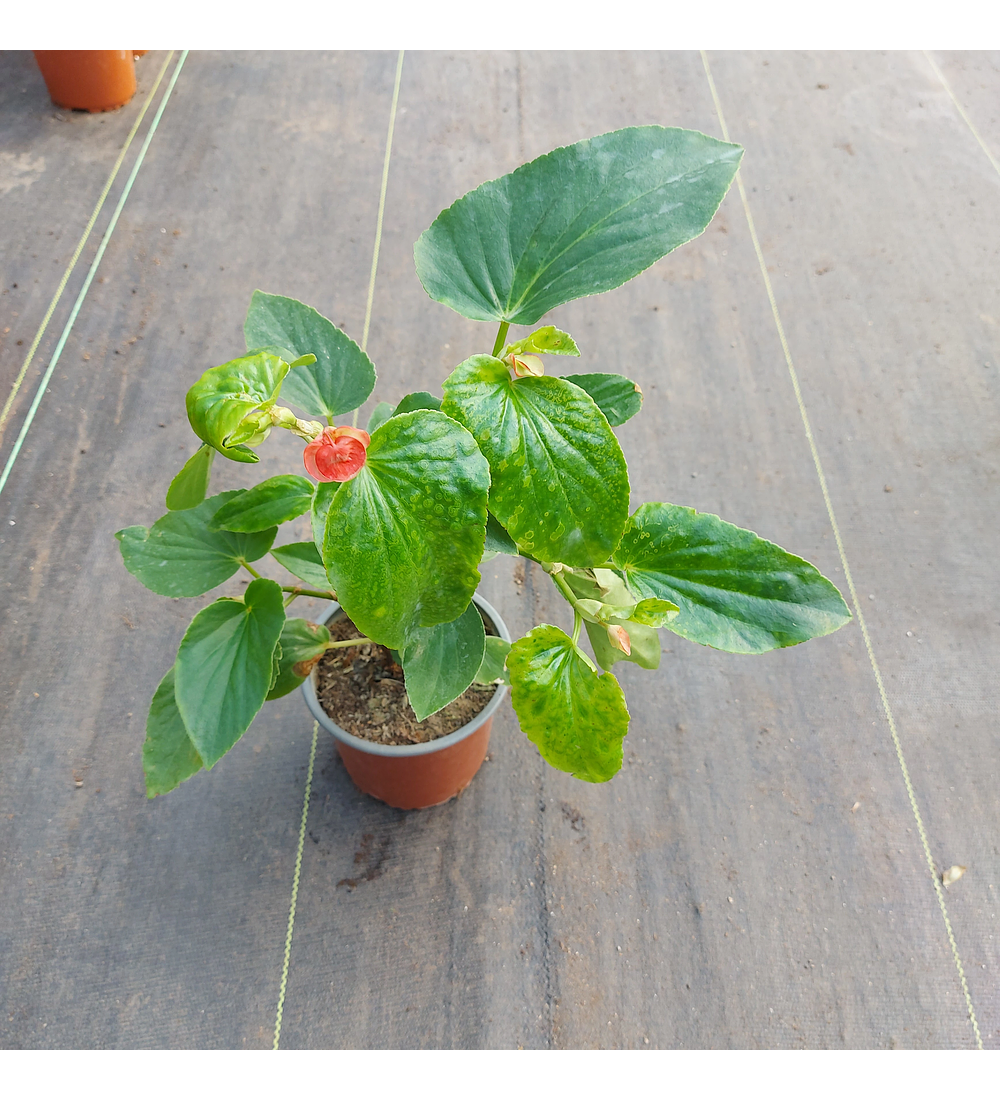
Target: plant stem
[
  {"x": 350, "y": 642},
  {"x": 577, "y": 623},
  {"x": 501, "y": 337},
  {"x": 308, "y": 592},
  {"x": 249, "y": 568},
  {"x": 293, "y": 596}
]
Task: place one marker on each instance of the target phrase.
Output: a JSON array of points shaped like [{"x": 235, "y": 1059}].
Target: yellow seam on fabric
[
  {"x": 381, "y": 201},
  {"x": 79, "y": 248},
  {"x": 961, "y": 111},
  {"x": 312, "y": 752},
  {"x": 295, "y": 890},
  {"x": 847, "y": 570}
]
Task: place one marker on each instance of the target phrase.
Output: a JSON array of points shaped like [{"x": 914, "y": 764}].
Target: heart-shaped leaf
[
  {"x": 617, "y": 397},
  {"x": 577, "y": 718},
  {"x": 303, "y": 560},
  {"x": 440, "y": 662},
  {"x": 222, "y": 406},
  {"x": 736, "y": 591},
  {"x": 559, "y": 479},
  {"x": 271, "y": 502},
  {"x": 579, "y": 220},
  {"x": 302, "y": 643},
  {"x": 190, "y": 487},
  {"x": 404, "y": 536},
  {"x": 180, "y": 555},
  {"x": 168, "y": 754},
  {"x": 224, "y": 667},
  {"x": 342, "y": 376}
]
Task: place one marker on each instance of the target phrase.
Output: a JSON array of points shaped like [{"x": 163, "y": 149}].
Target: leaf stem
[
  {"x": 501, "y": 337},
  {"x": 350, "y": 642},
  {"x": 308, "y": 592},
  {"x": 249, "y": 568},
  {"x": 293, "y": 596},
  {"x": 577, "y": 623}
]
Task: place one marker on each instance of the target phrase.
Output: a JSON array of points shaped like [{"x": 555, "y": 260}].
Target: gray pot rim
[{"x": 375, "y": 749}]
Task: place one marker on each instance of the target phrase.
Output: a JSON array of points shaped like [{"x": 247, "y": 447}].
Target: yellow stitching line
[
  {"x": 381, "y": 201},
  {"x": 295, "y": 890},
  {"x": 79, "y": 248},
  {"x": 847, "y": 570},
  {"x": 312, "y": 752},
  {"x": 961, "y": 111}
]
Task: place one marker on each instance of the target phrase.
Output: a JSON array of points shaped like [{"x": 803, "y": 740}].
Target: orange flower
[
  {"x": 618, "y": 637},
  {"x": 337, "y": 454}
]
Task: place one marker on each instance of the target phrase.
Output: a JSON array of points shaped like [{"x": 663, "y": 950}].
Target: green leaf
[
  {"x": 168, "y": 756},
  {"x": 440, "y": 662},
  {"x": 324, "y": 493},
  {"x": 224, "y": 666},
  {"x": 492, "y": 668},
  {"x": 559, "y": 479},
  {"x": 617, "y": 397},
  {"x": 736, "y": 591},
  {"x": 301, "y": 644},
  {"x": 190, "y": 487},
  {"x": 380, "y": 414},
  {"x": 342, "y": 376},
  {"x": 303, "y": 560},
  {"x": 419, "y": 400},
  {"x": 655, "y": 613},
  {"x": 228, "y": 405},
  {"x": 180, "y": 555},
  {"x": 577, "y": 718},
  {"x": 271, "y": 502},
  {"x": 497, "y": 539},
  {"x": 544, "y": 341},
  {"x": 418, "y": 509},
  {"x": 580, "y": 220}
]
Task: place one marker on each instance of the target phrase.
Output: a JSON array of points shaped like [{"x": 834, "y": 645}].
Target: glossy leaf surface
[
  {"x": 323, "y": 495},
  {"x": 270, "y": 503},
  {"x": 168, "y": 754},
  {"x": 498, "y": 541},
  {"x": 617, "y": 397},
  {"x": 440, "y": 662},
  {"x": 300, "y": 641},
  {"x": 190, "y": 487},
  {"x": 492, "y": 668},
  {"x": 304, "y": 561}
]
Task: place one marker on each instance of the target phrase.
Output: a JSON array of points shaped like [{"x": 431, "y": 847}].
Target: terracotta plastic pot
[
  {"x": 88, "y": 80},
  {"x": 414, "y": 777}
]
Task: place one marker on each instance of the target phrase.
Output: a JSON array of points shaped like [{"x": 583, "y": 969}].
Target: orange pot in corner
[{"x": 88, "y": 80}]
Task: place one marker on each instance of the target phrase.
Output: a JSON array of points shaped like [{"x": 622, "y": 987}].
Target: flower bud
[
  {"x": 527, "y": 366},
  {"x": 618, "y": 637},
  {"x": 337, "y": 454}
]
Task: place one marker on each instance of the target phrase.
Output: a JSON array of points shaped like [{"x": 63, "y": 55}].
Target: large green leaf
[
  {"x": 301, "y": 641},
  {"x": 224, "y": 667},
  {"x": 190, "y": 487},
  {"x": 617, "y": 397},
  {"x": 736, "y": 591},
  {"x": 227, "y": 406},
  {"x": 324, "y": 493},
  {"x": 303, "y": 559},
  {"x": 342, "y": 376},
  {"x": 440, "y": 662},
  {"x": 559, "y": 479},
  {"x": 270, "y": 503},
  {"x": 404, "y": 536},
  {"x": 579, "y": 220},
  {"x": 180, "y": 555},
  {"x": 168, "y": 755},
  {"x": 577, "y": 718}
]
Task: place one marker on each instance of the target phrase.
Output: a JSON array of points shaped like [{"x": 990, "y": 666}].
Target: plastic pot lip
[{"x": 375, "y": 749}]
